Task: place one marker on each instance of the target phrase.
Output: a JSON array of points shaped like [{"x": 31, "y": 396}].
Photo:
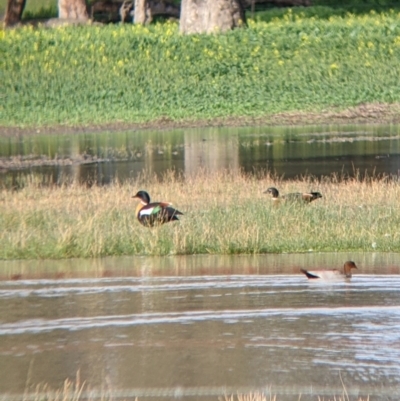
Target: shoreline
[{"x": 369, "y": 113}]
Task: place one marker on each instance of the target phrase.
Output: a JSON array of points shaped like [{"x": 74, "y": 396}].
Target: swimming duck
[
  {"x": 306, "y": 197},
  {"x": 156, "y": 213},
  {"x": 334, "y": 274}
]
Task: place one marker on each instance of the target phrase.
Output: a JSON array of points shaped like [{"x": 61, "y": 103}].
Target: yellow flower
[{"x": 255, "y": 50}]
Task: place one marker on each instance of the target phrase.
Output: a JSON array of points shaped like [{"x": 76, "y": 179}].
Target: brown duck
[
  {"x": 334, "y": 274},
  {"x": 306, "y": 197},
  {"x": 155, "y": 213}
]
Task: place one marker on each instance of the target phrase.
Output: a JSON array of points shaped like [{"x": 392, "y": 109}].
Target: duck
[
  {"x": 333, "y": 274},
  {"x": 306, "y": 197},
  {"x": 155, "y": 213}
]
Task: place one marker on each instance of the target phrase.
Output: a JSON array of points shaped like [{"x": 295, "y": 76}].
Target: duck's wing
[
  {"x": 167, "y": 209},
  {"x": 157, "y": 213},
  {"x": 302, "y": 196},
  {"x": 171, "y": 213},
  {"x": 297, "y": 197},
  {"x": 309, "y": 274},
  {"x": 323, "y": 274}
]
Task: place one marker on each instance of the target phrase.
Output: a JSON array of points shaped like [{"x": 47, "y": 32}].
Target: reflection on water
[
  {"x": 200, "y": 327},
  {"x": 288, "y": 152}
]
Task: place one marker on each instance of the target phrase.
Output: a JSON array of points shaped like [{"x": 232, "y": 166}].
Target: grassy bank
[
  {"x": 223, "y": 214},
  {"x": 126, "y": 73}
]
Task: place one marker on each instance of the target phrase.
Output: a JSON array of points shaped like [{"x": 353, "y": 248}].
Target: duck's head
[
  {"x": 143, "y": 196},
  {"x": 273, "y": 191},
  {"x": 348, "y": 266}
]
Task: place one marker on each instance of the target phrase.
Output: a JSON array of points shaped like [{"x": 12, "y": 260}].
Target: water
[
  {"x": 200, "y": 327},
  {"x": 285, "y": 151}
]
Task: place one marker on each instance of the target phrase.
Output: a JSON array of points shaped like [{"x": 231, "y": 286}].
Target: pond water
[
  {"x": 285, "y": 151},
  {"x": 200, "y": 327}
]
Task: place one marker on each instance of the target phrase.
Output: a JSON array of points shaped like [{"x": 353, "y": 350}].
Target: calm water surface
[
  {"x": 285, "y": 151},
  {"x": 200, "y": 327}
]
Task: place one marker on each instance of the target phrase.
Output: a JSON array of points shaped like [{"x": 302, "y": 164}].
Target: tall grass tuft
[
  {"x": 224, "y": 213},
  {"x": 256, "y": 396},
  {"x": 71, "y": 390}
]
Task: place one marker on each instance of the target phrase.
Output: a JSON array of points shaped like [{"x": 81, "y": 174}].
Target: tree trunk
[
  {"x": 73, "y": 10},
  {"x": 14, "y": 12},
  {"x": 210, "y": 16},
  {"x": 140, "y": 12}
]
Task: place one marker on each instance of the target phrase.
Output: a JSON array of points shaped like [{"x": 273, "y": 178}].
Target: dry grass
[
  {"x": 71, "y": 390},
  {"x": 223, "y": 213},
  {"x": 342, "y": 398},
  {"x": 75, "y": 390},
  {"x": 249, "y": 397},
  {"x": 262, "y": 397}
]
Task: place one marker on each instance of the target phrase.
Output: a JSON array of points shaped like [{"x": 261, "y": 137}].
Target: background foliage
[
  {"x": 133, "y": 73},
  {"x": 48, "y": 8}
]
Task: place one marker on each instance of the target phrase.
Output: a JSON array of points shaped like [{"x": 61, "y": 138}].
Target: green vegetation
[
  {"x": 126, "y": 73},
  {"x": 36, "y": 8},
  {"x": 223, "y": 214},
  {"x": 323, "y": 11}
]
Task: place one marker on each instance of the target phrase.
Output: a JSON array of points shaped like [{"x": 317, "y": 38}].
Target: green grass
[
  {"x": 234, "y": 217},
  {"x": 102, "y": 74},
  {"x": 323, "y": 11}
]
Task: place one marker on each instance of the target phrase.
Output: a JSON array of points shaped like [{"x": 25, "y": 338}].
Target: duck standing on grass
[
  {"x": 334, "y": 274},
  {"x": 306, "y": 197},
  {"x": 156, "y": 213}
]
